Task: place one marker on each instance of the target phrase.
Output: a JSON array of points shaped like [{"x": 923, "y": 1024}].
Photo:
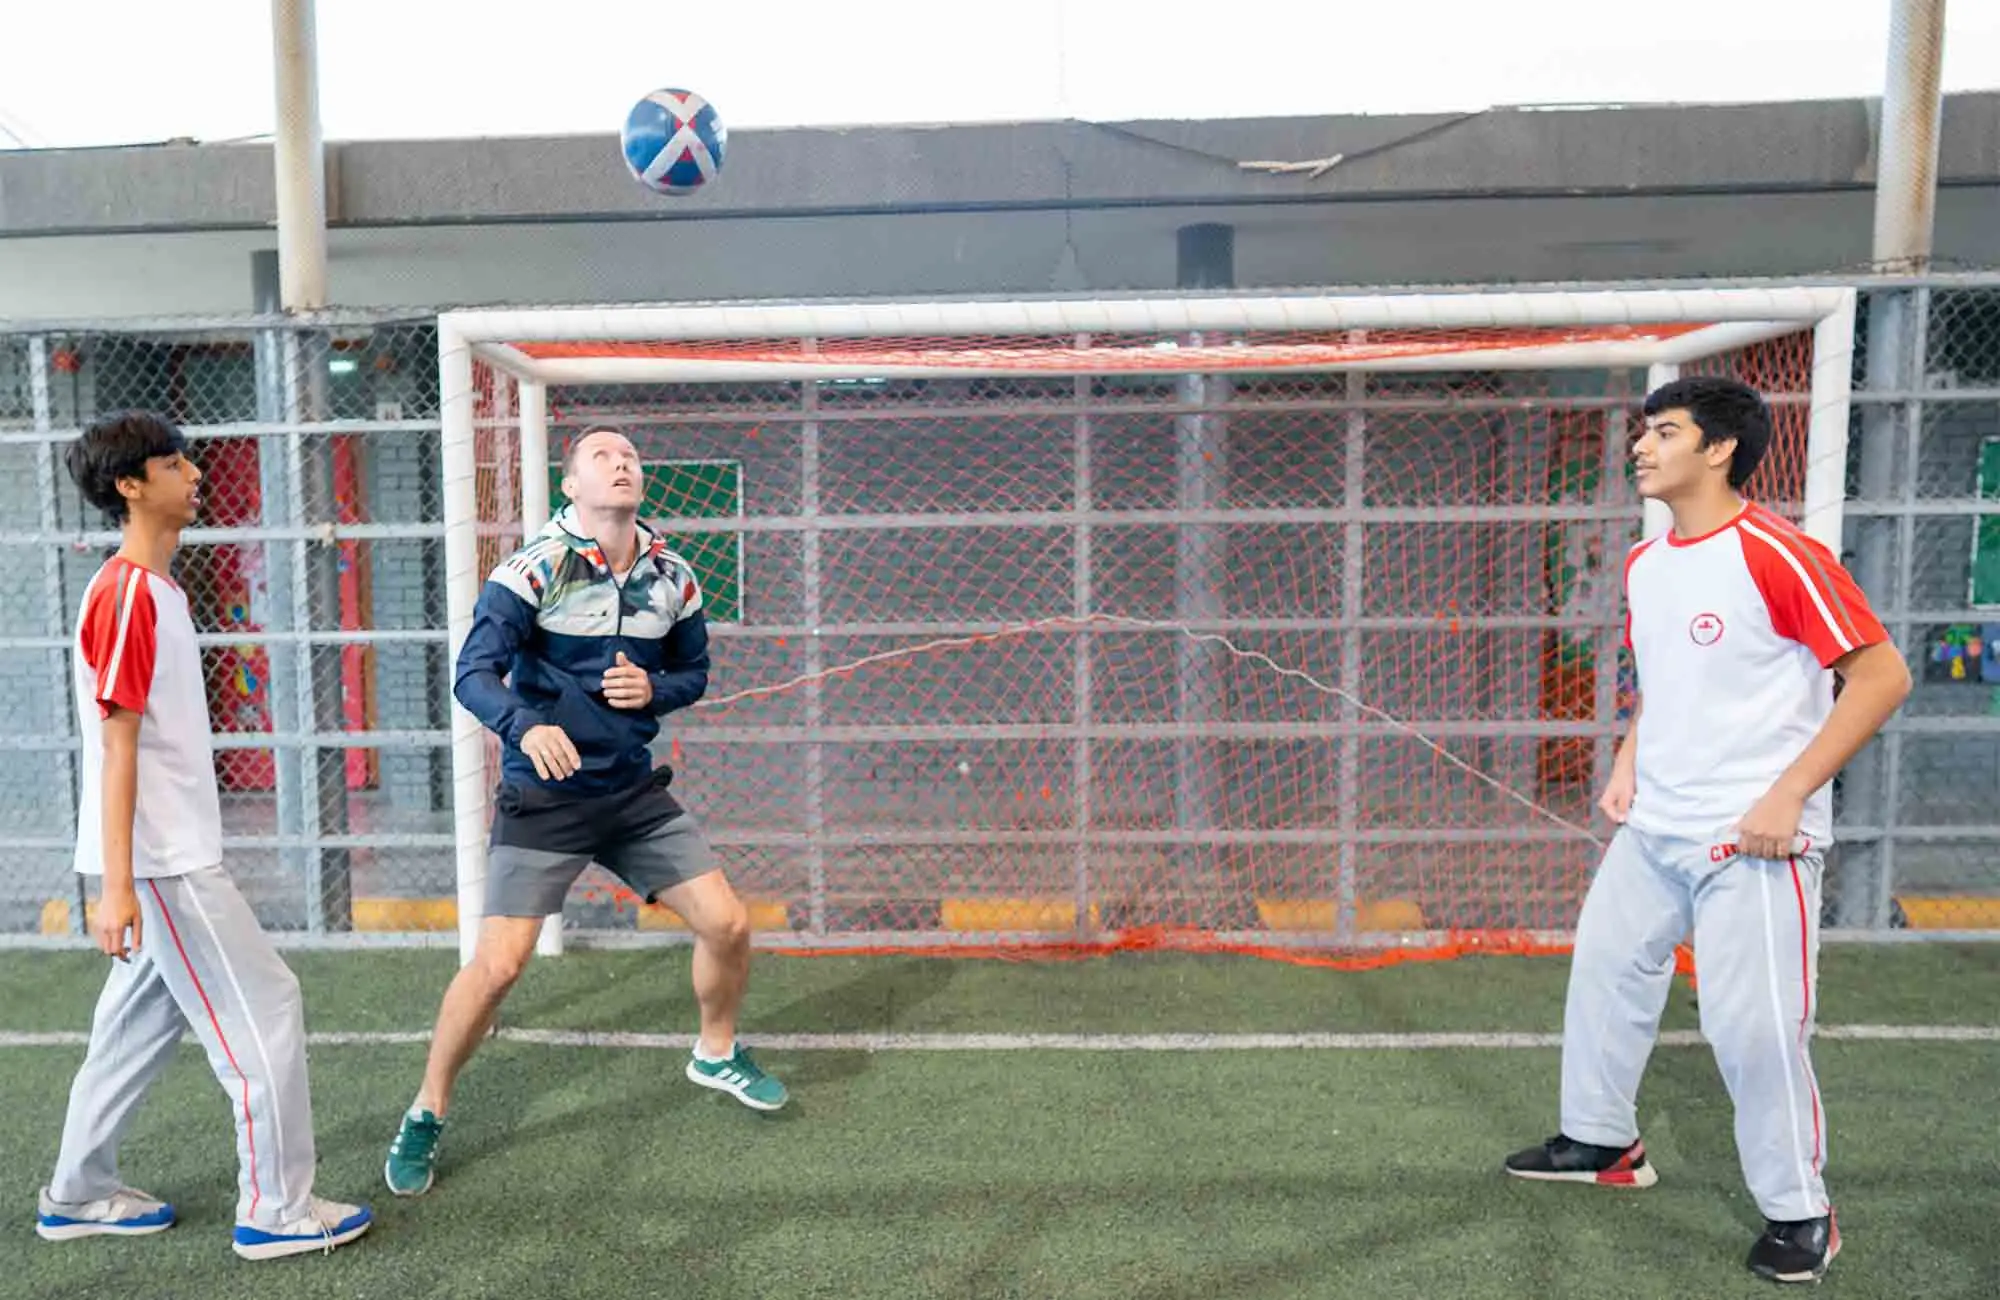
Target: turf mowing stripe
[{"x": 894, "y": 1042}]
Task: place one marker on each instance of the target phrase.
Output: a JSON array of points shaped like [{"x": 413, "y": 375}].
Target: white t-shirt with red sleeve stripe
[
  {"x": 135, "y": 649},
  {"x": 1733, "y": 634}
]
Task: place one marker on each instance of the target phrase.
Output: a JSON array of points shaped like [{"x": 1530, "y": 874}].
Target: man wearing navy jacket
[{"x": 601, "y": 629}]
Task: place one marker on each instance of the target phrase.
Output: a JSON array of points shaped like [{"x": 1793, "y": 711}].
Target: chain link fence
[
  {"x": 1920, "y": 809},
  {"x": 316, "y": 578}
]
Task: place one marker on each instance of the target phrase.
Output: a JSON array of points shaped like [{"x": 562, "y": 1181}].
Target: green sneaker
[
  {"x": 740, "y": 1077},
  {"x": 412, "y": 1164}
]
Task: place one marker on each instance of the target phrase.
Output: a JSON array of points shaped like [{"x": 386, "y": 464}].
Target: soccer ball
[{"x": 673, "y": 141}]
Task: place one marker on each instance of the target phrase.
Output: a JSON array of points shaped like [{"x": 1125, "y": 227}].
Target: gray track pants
[
  {"x": 207, "y": 965},
  {"x": 1756, "y": 945}
]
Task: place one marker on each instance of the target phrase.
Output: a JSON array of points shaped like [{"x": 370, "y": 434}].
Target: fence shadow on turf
[{"x": 880, "y": 998}]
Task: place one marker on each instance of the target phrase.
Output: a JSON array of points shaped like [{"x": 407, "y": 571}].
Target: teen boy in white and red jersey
[
  {"x": 189, "y": 952},
  {"x": 1739, "y": 624}
]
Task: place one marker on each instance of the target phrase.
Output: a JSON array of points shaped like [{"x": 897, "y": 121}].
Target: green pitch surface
[{"x": 1352, "y": 1167}]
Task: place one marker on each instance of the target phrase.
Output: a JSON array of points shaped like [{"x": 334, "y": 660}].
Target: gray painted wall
[{"x": 1503, "y": 196}]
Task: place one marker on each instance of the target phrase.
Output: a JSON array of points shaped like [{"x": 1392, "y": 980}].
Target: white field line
[{"x": 1185, "y": 1042}]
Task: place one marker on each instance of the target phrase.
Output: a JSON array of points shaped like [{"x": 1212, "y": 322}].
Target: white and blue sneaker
[
  {"x": 323, "y": 1226},
  {"x": 124, "y": 1213}
]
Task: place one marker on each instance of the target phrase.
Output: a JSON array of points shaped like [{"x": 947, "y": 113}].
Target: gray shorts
[{"x": 542, "y": 841}]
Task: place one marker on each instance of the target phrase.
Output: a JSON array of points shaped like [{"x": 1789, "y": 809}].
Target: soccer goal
[{"x": 1285, "y": 622}]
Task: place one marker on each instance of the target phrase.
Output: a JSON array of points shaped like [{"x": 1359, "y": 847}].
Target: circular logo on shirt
[{"x": 1705, "y": 629}]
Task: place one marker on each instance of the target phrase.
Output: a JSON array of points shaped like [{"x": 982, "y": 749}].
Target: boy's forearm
[
  {"x": 1874, "y": 687},
  {"x": 1628, "y": 748},
  {"x": 121, "y": 800}
]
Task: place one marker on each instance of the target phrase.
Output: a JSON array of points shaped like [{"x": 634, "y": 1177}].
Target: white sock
[
  {"x": 700, "y": 1055},
  {"x": 417, "y": 1110}
]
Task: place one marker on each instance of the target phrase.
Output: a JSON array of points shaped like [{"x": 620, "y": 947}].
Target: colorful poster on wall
[{"x": 1985, "y": 580}]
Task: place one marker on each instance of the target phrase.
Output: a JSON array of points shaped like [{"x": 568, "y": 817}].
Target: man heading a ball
[{"x": 581, "y": 641}]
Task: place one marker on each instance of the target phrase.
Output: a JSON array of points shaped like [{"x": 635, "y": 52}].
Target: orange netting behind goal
[
  {"x": 1129, "y": 353},
  {"x": 1782, "y": 370},
  {"x": 1322, "y": 667}
]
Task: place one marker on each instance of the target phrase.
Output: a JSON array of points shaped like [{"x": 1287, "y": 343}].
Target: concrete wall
[
  {"x": 821, "y": 172},
  {"x": 1431, "y": 241},
  {"x": 1012, "y": 209}
]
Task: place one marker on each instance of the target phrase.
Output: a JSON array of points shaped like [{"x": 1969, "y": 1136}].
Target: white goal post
[{"x": 1261, "y": 333}]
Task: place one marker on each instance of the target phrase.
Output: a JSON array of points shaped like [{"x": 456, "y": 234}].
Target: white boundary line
[{"x": 1185, "y": 1042}]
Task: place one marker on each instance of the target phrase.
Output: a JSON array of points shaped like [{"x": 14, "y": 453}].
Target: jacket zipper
[{"x": 618, "y": 625}]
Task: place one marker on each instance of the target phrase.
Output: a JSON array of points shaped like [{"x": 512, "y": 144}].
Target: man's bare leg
[
  {"x": 501, "y": 954},
  {"x": 721, "y": 926},
  {"x": 466, "y": 1014}
]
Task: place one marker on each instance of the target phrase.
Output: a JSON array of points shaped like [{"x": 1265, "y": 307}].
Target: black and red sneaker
[
  {"x": 1795, "y": 1252},
  {"x": 1560, "y": 1160}
]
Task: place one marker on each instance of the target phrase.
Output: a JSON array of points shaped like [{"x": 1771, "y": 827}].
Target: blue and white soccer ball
[{"x": 673, "y": 141}]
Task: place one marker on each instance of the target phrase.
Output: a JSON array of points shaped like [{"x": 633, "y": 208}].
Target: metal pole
[
  {"x": 299, "y": 156},
  {"x": 271, "y": 587},
  {"x": 1832, "y": 389},
  {"x": 534, "y": 433},
  {"x": 1907, "y": 148},
  {"x": 299, "y": 588},
  {"x": 1900, "y": 624},
  {"x": 1865, "y": 870},
  {"x": 56, "y": 604},
  {"x": 461, "y": 592},
  {"x": 1200, "y": 446},
  {"x": 815, "y": 755},
  {"x": 329, "y": 661},
  {"x": 1905, "y": 210},
  {"x": 1353, "y": 600},
  {"x": 536, "y": 496},
  {"x": 315, "y": 587},
  {"x": 1205, "y": 260},
  {"x": 1080, "y": 597}
]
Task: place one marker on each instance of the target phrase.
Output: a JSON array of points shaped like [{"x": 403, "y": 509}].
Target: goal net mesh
[{"x": 1129, "y": 642}]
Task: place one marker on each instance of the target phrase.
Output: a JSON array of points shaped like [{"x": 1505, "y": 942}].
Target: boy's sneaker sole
[
  {"x": 1809, "y": 1275},
  {"x": 1560, "y": 1160},
  {"x": 724, "y": 1086},
  {"x": 254, "y": 1243},
  {"x": 56, "y": 1228},
  {"x": 1643, "y": 1176}
]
